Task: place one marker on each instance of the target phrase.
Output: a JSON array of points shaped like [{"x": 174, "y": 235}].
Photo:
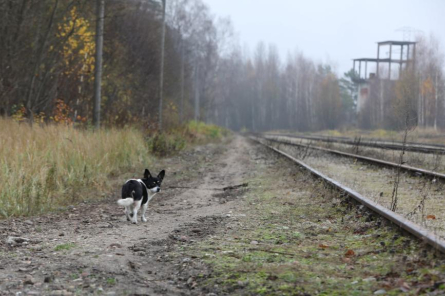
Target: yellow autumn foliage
[
  {"x": 427, "y": 87},
  {"x": 79, "y": 47}
]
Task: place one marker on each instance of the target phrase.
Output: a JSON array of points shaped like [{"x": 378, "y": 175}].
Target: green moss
[
  {"x": 64, "y": 247},
  {"x": 302, "y": 241},
  {"x": 111, "y": 281}
]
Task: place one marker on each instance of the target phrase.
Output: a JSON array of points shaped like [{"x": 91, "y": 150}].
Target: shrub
[
  {"x": 175, "y": 140},
  {"x": 164, "y": 144}
]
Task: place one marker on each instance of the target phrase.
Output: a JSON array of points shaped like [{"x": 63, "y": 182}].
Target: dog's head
[{"x": 153, "y": 183}]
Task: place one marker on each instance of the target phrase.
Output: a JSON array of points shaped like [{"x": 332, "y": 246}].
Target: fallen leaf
[
  {"x": 386, "y": 284},
  {"x": 431, "y": 217},
  {"x": 346, "y": 260},
  {"x": 349, "y": 253},
  {"x": 404, "y": 285},
  {"x": 323, "y": 246}
]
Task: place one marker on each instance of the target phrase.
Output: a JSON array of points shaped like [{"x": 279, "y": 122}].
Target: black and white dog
[{"x": 137, "y": 192}]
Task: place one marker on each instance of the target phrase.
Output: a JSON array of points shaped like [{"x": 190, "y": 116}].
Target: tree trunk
[{"x": 29, "y": 104}]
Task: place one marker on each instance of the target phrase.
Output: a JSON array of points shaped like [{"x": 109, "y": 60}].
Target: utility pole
[
  {"x": 196, "y": 117},
  {"x": 182, "y": 80},
  {"x": 161, "y": 79},
  {"x": 100, "y": 6}
]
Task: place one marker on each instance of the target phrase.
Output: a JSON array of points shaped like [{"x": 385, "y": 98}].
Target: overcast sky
[{"x": 334, "y": 31}]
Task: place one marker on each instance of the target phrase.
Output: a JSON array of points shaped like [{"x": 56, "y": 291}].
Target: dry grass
[{"x": 42, "y": 168}]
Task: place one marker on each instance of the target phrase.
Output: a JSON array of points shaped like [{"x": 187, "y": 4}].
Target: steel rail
[
  {"x": 364, "y": 158},
  {"x": 409, "y": 146},
  {"x": 418, "y": 231}
]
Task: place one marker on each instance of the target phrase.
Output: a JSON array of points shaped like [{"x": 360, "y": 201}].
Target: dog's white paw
[
  {"x": 144, "y": 219},
  {"x": 135, "y": 222}
]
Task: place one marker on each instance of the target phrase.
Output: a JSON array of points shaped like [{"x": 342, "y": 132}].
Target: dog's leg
[
  {"x": 137, "y": 205},
  {"x": 144, "y": 209},
  {"x": 127, "y": 213}
]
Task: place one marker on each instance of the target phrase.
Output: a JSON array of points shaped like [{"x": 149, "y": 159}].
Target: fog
[{"x": 331, "y": 31}]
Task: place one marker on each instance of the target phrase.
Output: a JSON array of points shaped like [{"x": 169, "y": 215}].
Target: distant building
[{"x": 375, "y": 91}]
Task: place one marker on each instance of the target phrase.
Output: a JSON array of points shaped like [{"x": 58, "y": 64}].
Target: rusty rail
[
  {"x": 374, "y": 143},
  {"x": 364, "y": 158},
  {"x": 418, "y": 231}
]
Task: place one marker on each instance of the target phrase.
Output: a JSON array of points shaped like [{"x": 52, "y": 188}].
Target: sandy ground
[{"x": 91, "y": 249}]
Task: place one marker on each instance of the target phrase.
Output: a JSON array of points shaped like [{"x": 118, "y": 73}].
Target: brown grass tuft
[{"x": 42, "y": 168}]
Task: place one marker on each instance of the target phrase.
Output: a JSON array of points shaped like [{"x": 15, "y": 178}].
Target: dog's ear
[
  {"x": 147, "y": 174},
  {"x": 161, "y": 175}
]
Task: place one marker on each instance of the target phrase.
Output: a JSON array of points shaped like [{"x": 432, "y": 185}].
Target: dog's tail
[{"x": 125, "y": 202}]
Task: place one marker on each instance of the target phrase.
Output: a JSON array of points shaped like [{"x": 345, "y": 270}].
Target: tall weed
[{"x": 44, "y": 167}]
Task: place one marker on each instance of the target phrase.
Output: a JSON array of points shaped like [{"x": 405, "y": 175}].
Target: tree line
[
  {"x": 47, "y": 66},
  {"x": 259, "y": 92},
  {"x": 47, "y": 60}
]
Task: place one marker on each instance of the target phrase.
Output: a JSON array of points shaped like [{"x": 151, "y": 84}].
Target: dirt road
[{"x": 90, "y": 248}]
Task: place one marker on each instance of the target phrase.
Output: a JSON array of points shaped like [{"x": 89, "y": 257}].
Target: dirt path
[{"x": 91, "y": 249}]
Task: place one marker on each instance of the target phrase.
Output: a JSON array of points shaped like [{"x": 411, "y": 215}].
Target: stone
[
  {"x": 60, "y": 293},
  {"x": 29, "y": 280},
  {"x": 49, "y": 279},
  {"x": 190, "y": 281},
  {"x": 15, "y": 240}
]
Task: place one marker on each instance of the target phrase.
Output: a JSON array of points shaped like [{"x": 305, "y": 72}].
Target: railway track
[
  {"x": 428, "y": 234},
  {"x": 375, "y": 143},
  {"x": 411, "y": 169}
]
